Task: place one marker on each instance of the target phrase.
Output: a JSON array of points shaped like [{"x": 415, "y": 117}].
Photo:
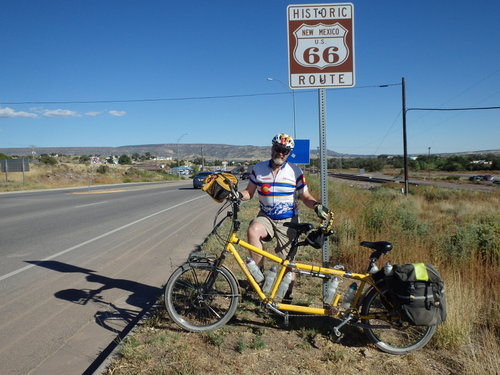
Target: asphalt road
[{"x": 80, "y": 266}]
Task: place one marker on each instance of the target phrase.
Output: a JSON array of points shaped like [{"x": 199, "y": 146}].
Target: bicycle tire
[
  {"x": 396, "y": 336},
  {"x": 194, "y": 308}
]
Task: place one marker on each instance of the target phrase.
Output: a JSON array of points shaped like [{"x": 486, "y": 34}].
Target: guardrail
[{"x": 376, "y": 180}]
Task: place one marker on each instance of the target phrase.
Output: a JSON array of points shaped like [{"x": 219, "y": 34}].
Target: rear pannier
[{"x": 418, "y": 291}]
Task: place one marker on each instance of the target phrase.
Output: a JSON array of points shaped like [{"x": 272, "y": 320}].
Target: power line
[
  {"x": 452, "y": 109},
  {"x": 145, "y": 100}
]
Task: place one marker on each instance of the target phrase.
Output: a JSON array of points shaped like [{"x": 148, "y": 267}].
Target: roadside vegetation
[
  {"x": 49, "y": 173},
  {"x": 457, "y": 231},
  {"x": 449, "y": 163}
]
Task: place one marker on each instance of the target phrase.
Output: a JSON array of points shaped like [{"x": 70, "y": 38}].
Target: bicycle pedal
[
  {"x": 336, "y": 336},
  {"x": 337, "y": 339}
]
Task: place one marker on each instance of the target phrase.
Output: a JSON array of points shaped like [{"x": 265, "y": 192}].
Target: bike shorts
[{"x": 276, "y": 229}]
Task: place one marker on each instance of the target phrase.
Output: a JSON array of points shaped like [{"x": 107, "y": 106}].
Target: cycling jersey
[{"x": 278, "y": 194}]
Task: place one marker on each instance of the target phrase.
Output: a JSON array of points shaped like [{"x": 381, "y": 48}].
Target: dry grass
[
  {"x": 457, "y": 231},
  {"x": 72, "y": 174}
]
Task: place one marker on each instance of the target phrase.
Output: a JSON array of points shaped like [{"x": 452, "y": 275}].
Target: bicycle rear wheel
[
  {"x": 388, "y": 332},
  {"x": 200, "y": 297}
]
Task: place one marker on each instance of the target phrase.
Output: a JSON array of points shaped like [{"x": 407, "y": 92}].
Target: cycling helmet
[{"x": 284, "y": 140}]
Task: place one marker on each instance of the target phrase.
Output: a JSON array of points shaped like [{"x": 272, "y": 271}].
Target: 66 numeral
[{"x": 312, "y": 55}]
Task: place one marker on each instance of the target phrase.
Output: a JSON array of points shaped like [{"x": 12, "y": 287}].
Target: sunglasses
[{"x": 281, "y": 150}]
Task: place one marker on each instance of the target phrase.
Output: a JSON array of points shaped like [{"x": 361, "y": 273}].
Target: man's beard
[{"x": 278, "y": 161}]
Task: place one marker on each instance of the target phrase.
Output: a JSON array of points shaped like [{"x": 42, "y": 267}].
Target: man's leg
[{"x": 256, "y": 233}]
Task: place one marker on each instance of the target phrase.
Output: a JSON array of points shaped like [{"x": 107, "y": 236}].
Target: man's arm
[
  {"x": 248, "y": 193},
  {"x": 308, "y": 199}
]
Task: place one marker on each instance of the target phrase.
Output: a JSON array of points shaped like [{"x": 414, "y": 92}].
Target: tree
[{"x": 124, "y": 159}]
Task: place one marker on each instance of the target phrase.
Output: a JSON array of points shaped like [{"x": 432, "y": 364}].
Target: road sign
[
  {"x": 321, "y": 45},
  {"x": 94, "y": 160},
  {"x": 300, "y": 152},
  {"x": 14, "y": 165}
]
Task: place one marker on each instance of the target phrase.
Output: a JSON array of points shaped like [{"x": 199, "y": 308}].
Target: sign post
[{"x": 321, "y": 55}]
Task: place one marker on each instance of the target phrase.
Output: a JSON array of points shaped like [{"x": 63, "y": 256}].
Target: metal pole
[
  {"x": 429, "y": 164},
  {"x": 323, "y": 168},
  {"x": 405, "y": 148},
  {"x": 294, "y": 116}
]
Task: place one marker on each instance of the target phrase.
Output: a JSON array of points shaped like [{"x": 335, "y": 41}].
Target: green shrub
[
  {"x": 102, "y": 169},
  {"x": 473, "y": 238},
  {"x": 49, "y": 160}
]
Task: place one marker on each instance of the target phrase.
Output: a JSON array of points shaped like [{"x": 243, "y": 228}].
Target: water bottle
[
  {"x": 285, "y": 283},
  {"x": 254, "y": 270},
  {"x": 331, "y": 290},
  {"x": 349, "y": 295},
  {"x": 388, "y": 269},
  {"x": 373, "y": 268},
  {"x": 270, "y": 277}
]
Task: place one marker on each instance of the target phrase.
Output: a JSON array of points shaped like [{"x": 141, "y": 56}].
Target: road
[{"x": 80, "y": 266}]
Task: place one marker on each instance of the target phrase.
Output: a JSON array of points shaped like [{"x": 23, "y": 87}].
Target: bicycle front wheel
[
  {"x": 200, "y": 297},
  {"x": 387, "y": 331}
]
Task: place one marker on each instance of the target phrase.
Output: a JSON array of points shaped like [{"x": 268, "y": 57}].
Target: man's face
[{"x": 279, "y": 154}]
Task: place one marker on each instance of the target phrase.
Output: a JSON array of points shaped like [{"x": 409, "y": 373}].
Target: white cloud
[
  {"x": 117, "y": 113},
  {"x": 59, "y": 113},
  {"x": 10, "y": 113},
  {"x": 92, "y": 114}
]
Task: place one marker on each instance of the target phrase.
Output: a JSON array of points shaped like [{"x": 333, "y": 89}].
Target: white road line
[
  {"x": 91, "y": 204},
  {"x": 16, "y": 272}
]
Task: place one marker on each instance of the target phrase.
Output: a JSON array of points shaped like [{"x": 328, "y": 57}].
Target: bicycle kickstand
[{"x": 336, "y": 330}]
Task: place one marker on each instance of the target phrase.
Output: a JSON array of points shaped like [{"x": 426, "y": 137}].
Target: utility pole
[
  {"x": 429, "y": 163},
  {"x": 405, "y": 147}
]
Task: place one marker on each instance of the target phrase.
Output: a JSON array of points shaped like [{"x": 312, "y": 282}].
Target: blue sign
[{"x": 300, "y": 153}]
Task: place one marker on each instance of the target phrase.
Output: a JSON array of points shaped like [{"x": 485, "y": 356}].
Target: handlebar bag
[
  {"x": 418, "y": 291},
  {"x": 219, "y": 185}
]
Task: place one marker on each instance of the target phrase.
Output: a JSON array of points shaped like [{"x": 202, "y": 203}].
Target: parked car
[
  {"x": 475, "y": 178},
  {"x": 488, "y": 177},
  {"x": 198, "y": 180}
]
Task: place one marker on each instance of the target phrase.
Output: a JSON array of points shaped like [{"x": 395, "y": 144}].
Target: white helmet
[{"x": 284, "y": 140}]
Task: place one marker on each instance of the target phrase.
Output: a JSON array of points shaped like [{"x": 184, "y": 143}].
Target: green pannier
[{"x": 418, "y": 291}]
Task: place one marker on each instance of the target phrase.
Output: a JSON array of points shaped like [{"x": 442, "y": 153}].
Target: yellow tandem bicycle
[{"x": 203, "y": 294}]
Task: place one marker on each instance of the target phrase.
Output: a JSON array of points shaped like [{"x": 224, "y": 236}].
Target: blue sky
[{"x": 208, "y": 62}]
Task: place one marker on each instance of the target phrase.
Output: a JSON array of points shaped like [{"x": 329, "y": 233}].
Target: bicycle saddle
[
  {"x": 299, "y": 227},
  {"x": 383, "y": 246}
]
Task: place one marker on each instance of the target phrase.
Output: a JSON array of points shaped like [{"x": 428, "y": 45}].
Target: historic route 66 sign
[{"x": 321, "y": 45}]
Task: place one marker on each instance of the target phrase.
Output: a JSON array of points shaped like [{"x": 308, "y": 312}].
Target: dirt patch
[{"x": 257, "y": 342}]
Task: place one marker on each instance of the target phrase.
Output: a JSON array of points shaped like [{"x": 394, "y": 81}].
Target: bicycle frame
[{"x": 307, "y": 269}]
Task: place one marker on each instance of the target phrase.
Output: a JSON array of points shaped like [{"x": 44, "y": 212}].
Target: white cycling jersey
[{"x": 278, "y": 194}]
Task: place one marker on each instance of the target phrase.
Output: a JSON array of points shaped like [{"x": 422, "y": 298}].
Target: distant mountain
[{"x": 184, "y": 151}]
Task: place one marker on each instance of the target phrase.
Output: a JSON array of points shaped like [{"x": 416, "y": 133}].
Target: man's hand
[{"x": 321, "y": 211}]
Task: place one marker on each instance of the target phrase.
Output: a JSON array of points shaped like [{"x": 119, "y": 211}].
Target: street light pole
[
  {"x": 293, "y": 103},
  {"x": 178, "y": 140}
]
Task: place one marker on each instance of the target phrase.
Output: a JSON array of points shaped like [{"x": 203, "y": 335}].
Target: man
[{"x": 279, "y": 185}]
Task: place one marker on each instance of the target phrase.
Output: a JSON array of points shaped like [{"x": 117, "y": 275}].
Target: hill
[{"x": 184, "y": 151}]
